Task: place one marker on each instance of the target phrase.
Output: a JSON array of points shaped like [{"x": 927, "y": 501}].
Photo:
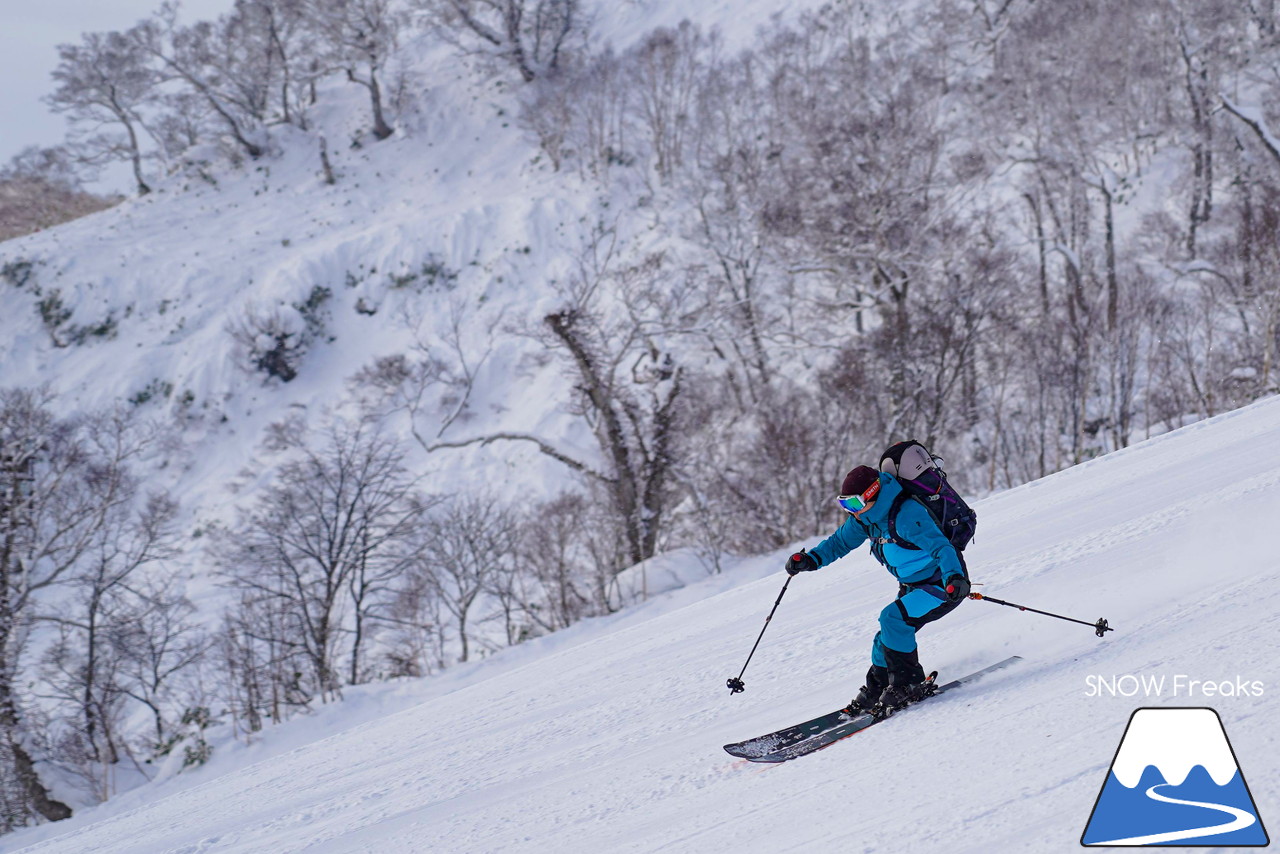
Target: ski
[{"x": 805, "y": 738}]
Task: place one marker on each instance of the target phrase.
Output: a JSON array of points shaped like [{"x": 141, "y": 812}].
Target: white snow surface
[{"x": 608, "y": 737}]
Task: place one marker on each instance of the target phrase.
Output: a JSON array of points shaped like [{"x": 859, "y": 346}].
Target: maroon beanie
[{"x": 857, "y": 481}]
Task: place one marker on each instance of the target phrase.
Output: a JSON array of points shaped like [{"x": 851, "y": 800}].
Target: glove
[
  {"x": 801, "y": 561},
  {"x": 957, "y": 587}
]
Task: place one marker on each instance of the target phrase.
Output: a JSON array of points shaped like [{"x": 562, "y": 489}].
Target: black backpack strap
[
  {"x": 896, "y": 506},
  {"x": 878, "y": 543}
]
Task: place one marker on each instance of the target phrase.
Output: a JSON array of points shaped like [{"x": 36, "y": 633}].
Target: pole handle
[{"x": 1100, "y": 628}]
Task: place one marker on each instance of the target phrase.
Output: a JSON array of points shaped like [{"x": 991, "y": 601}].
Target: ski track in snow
[{"x": 613, "y": 742}]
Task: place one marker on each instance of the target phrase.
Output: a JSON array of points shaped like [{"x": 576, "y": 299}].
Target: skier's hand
[
  {"x": 957, "y": 587},
  {"x": 801, "y": 561}
]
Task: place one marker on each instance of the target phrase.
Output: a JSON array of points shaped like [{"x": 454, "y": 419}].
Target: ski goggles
[{"x": 858, "y": 503}]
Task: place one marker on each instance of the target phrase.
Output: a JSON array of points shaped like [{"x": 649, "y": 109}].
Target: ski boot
[
  {"x": 863, "y": 703},
  {"x": 898, "y": 696},
  {"x": 868, "y": 694}
]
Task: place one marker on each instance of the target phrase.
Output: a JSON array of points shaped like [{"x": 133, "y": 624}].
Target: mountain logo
[{"x": 1175, "y": 781}]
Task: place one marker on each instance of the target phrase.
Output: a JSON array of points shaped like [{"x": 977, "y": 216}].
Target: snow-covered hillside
[
  {"x": 458, "y": 221},
  {"x": 607, "y": 737}
]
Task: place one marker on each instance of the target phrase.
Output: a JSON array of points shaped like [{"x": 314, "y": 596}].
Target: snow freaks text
[{"x": 1178, "y": 685}]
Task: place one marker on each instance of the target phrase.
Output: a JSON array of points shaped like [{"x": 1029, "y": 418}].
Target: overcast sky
[{"x": 30, "y": 31}]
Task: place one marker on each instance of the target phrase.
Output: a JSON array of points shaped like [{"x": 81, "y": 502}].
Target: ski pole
[
  {"x": 1100, "y": 627},
  {"x": 735, "y": 683}
]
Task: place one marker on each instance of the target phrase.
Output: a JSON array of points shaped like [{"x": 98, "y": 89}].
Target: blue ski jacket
[{"x": 936, "y": 556}]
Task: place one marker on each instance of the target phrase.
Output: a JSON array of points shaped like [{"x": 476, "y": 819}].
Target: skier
[{"x": 932, "y": 581}]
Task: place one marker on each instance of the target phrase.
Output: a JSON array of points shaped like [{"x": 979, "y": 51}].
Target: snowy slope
[
  {"x": 461, "y": 189},
  {"x": 613, "y": 744}
]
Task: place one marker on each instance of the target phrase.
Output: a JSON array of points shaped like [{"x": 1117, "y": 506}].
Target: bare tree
[
  {"x": 463, "y": 546},
  {"x": 294, "y": 64},
  {"x": 1256, "y": 123},
  {"x": 813, "y": 435},
  {"x": 1199, "y": 98},
  {"x": 159, "y": 641},
  {"x": 836, "y": 180},
  {"x": 509, "y": 580},
  {"x": 61, "y": 481},
  {"x": 554, "y": 552},
  {"x": 105, "y": 82},
  {"x": 529, "y": 34},
  {"x": 263, "y": 661},
  {"x": 88, "y": 657},
  {"x": 221, "y": 62},
  {"x": 358, "y": 37},
  {"x": 628, "y": 384},
  {"x": 325, "y": 529},
  {"x": 585, "y": 116},
  {"x": 637, "y": 434},
  {"x": 418, "y": 626},
  {"x": 431, "y": 385},
  {"x": 668, "y": 66},
  {"x": 730, "y": 183}
]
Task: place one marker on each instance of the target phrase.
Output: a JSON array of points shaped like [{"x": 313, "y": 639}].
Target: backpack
[{"x": 921, "y": 476}]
